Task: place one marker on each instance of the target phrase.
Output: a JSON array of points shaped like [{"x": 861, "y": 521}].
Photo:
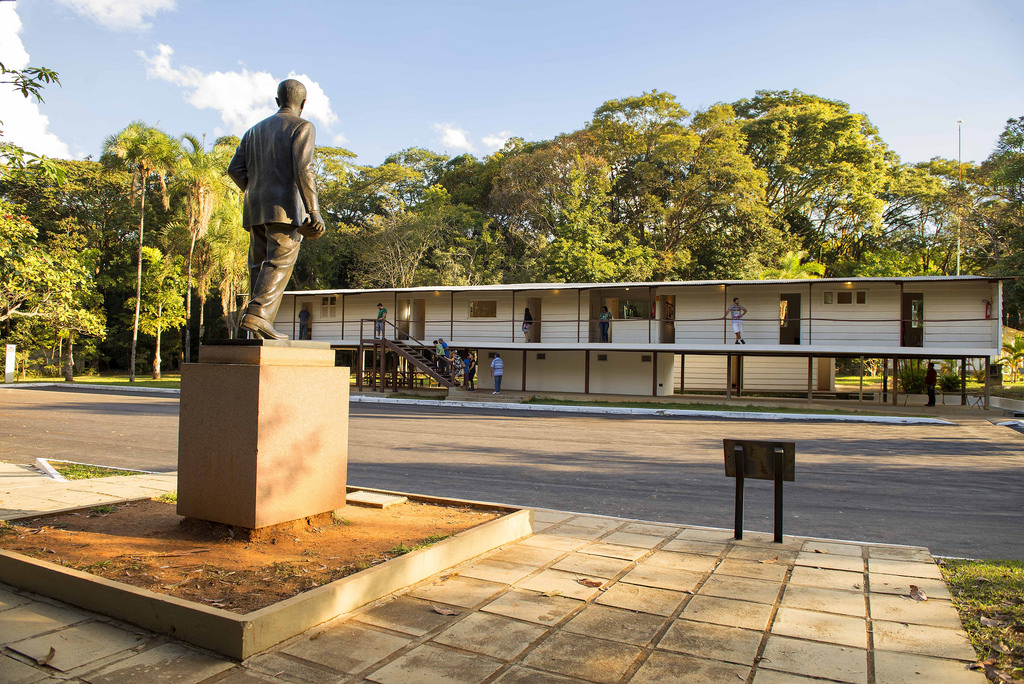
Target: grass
[
  {"x": 989, "y": 595},
  {"x": 402, "y": 549},
  {"x": 169, "y": 497},
  {"x": 691, "y": 407},
  {"x": 70, "y": 470}
]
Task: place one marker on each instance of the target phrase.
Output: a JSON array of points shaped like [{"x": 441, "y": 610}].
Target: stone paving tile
[
  {"x": 614, "y": 551},
  {"x": 694, "y": 546},
  {"x": 681, "y": 561},
  {"x": 595, "y": 522},
  {"x": 406, "y": 615},
  {"x": 723, "y": 611},
  {"x": 523, "y": 675},
  {"x": 458, "y": 591},
  {"x": 75, "y": 646},
  {"x": 281, "y": 667},
  {"x": 643, "y": 599},
  {"x": 713, "y": 642},
  {"x": 246, "y": 676},
  {"x": 641, "y": 541},
  {"x": 905, "y": 553},
  {"x": 430, "y": 664},
  {"x": 901, "y": 668},
  {"x": 532, "y": 607},
  {"x": 828, "y": 627},
  {"x": 771, "y": 677},
  {"x": 664, "y": 667},
  {"x": 81, "y": 499},
  {"x": 497, "y": 571},
  {"x": 538, "y": 527},
  {"x": 491, "y": 635},
  {"x": 548, "y": 581},
  {"x": 584, "y": 657},
  {"x": 830, "y": 561},
  {"x": 828, "y": 661},
  {"x": 526, "y": 554},
  {"x": 751, "y": 569},
  {"x": 741, "y": 588},
  {"x": 605, "y": 622},
  {"x": 758, "y": 553},
  {"x": 9, "y": 599},
  {"x": 922, "y": 640},
  {"x": 934, "y": 612},
  {"x": 36, "y": 618},
  {"x": 575, "y": 531},
  {"x": 884, "y": 566},
  {"x": 895, "y": 584},
  {"x": 651, "y": 529},
  {"x": 554, "y": 542},
  {"x": 706, "y": 535},
  {"x": 592, "y": 566},
  {"x": 164, "y": 663},
  {"x": 348, "y": 647},
  {"x": 663, "y": 578},
  {"x": 551, "y": 516},
  {"x": 827, "y": 579},
  {"x": 15, "y": 672},
  {"x": 766, "y": 540},
  {"x": 825, "y": 600},
  {"x": 836, "y": 548}
]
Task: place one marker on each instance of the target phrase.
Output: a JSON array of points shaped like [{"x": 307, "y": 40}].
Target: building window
[
  {"x": 483, "y": 308},
  {"x": 602, "y": 357},
  {"x": 329, "y": 306},
  {"x": 541, "y": 356},
  {"x": 845, "y": 297},
  {"x": 645, "y": 358},
  {"x": 634, "y": 308}
]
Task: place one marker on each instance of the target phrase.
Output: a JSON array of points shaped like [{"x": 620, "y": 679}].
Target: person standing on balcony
[
  {"x": 527, "y": 322},
  {"x": 930, "y": 380},
  {"x": 606, "y": 322},
  {"x": 497, "y": 370},
  {"x": 304, "y": 316},
  {"x": 736, "y": 312},
  {"x": 382, "y": 315}
]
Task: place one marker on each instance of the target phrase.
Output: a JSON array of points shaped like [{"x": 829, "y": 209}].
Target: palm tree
[
  {"x": 229, "y": 254},
  {"x": 793, "y": 267},
  {"x": 1013, "y": 354},
  {"x": 144, "y": 151},
  {"x": 200, "y": 176}
]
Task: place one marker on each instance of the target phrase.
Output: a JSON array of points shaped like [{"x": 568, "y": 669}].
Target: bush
[
  {"x": 949, "y": 382},
  {"x": 911, "y": 377}
]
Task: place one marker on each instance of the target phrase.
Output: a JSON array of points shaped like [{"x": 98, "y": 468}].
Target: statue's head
[{"x": 291, "y": 93}]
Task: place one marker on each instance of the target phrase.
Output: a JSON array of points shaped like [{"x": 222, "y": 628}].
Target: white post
[{"x": 9, "y": 363}]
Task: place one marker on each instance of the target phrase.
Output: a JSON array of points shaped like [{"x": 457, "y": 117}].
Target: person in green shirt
[{"x": 382, "y": 315}]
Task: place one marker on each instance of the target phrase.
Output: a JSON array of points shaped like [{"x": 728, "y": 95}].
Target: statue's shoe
[{"x": 261, "y": 327}]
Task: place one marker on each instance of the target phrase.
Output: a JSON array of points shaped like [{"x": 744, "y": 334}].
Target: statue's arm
[
  {"x": 303, "y": 146},
  {"x": 237, "y": 170}
]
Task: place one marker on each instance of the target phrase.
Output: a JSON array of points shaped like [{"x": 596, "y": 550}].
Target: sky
[{"x": 460, "y": 77}]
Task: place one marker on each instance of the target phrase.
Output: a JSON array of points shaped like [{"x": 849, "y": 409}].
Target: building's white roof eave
[{"x": 521, "y": 287}]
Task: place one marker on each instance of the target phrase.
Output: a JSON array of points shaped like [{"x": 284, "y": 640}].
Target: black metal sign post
[{"x": 762, "y": 461}]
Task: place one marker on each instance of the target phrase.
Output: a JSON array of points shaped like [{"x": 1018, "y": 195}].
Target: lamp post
[{"x": 960, "y": 182}]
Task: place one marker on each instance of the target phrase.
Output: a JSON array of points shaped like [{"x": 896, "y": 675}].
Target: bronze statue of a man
[{"x": 273, "y": 166}]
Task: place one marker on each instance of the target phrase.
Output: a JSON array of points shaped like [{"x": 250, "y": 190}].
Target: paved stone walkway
[{"x": 584, "y": 599}]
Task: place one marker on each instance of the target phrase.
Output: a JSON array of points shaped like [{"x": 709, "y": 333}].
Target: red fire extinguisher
[{"x": 988, "y": 308}]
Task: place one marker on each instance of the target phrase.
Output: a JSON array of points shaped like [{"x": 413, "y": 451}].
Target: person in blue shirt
[{"x": 497, "y": 370}]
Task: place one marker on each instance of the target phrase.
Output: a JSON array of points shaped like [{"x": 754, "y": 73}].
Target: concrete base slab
[{"x": 231, "y": 634}]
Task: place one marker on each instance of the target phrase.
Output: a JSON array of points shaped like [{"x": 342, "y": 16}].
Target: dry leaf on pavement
[{"x": 444, "y": 611}]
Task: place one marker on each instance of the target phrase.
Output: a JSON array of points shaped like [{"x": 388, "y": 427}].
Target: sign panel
[{"x": 759, "y": 458}]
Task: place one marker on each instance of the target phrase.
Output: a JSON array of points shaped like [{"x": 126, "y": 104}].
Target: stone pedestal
[{"x": 263, "y": 433}]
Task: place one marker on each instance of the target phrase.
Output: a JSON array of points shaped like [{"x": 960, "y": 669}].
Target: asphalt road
[{"x": 958, "y": 490}]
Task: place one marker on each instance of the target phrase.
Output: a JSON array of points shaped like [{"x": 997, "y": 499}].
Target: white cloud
[
  {"x": 23, "y": 122},
  {"x": 340, "y": 139},
  {"x": 119, "y": 15},
  {"x": 242, "y": 97},
  {"x": 454, "y": 138},
  {"x": 495, "y": 141}
]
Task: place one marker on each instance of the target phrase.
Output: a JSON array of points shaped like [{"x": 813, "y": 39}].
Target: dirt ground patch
[{"x": 145, "y": 544}]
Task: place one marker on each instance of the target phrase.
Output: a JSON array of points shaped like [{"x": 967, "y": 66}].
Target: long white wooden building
[{"x": 667, "y": 337}]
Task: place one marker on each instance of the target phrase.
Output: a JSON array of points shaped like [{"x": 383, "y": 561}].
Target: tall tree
[
  {"x": 162, "y": 305},
  {"x": 145, "y": 152},
  {"x": 200, "y": 177}
]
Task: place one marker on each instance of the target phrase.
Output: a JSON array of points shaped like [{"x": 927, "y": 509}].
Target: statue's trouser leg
[{"x": 273, "y": 249}]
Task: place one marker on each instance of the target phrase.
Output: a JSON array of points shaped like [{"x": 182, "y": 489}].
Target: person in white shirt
[{"x": 736, "y": 313}]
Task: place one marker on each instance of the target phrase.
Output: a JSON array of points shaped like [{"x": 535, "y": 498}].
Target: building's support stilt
[
  {"x": 586, "y": 372},
  {"x": 860, "y": 390},
  {"x": 988, "y": 370},
  {"x": 895, "y": 366},
  {"x": 728, "y": 376},
  {"x": 524, "y": 370},
  {"x": 963, "y": 381},
  {"x": 654, "y": 379},
  {"x": 810, "y": 379}
]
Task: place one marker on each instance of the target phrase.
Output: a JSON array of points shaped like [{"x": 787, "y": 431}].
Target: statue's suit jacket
[{"x": 273, "y": 165}]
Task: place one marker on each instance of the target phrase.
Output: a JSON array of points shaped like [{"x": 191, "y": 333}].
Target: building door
[
  {"x": 403, "y": 317},
  {"x": 665, "y": 309},
  {"x": 789, "y": 319},
  {"x": 912, "y": 323},
  {"x": 534, "y": 305}
]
